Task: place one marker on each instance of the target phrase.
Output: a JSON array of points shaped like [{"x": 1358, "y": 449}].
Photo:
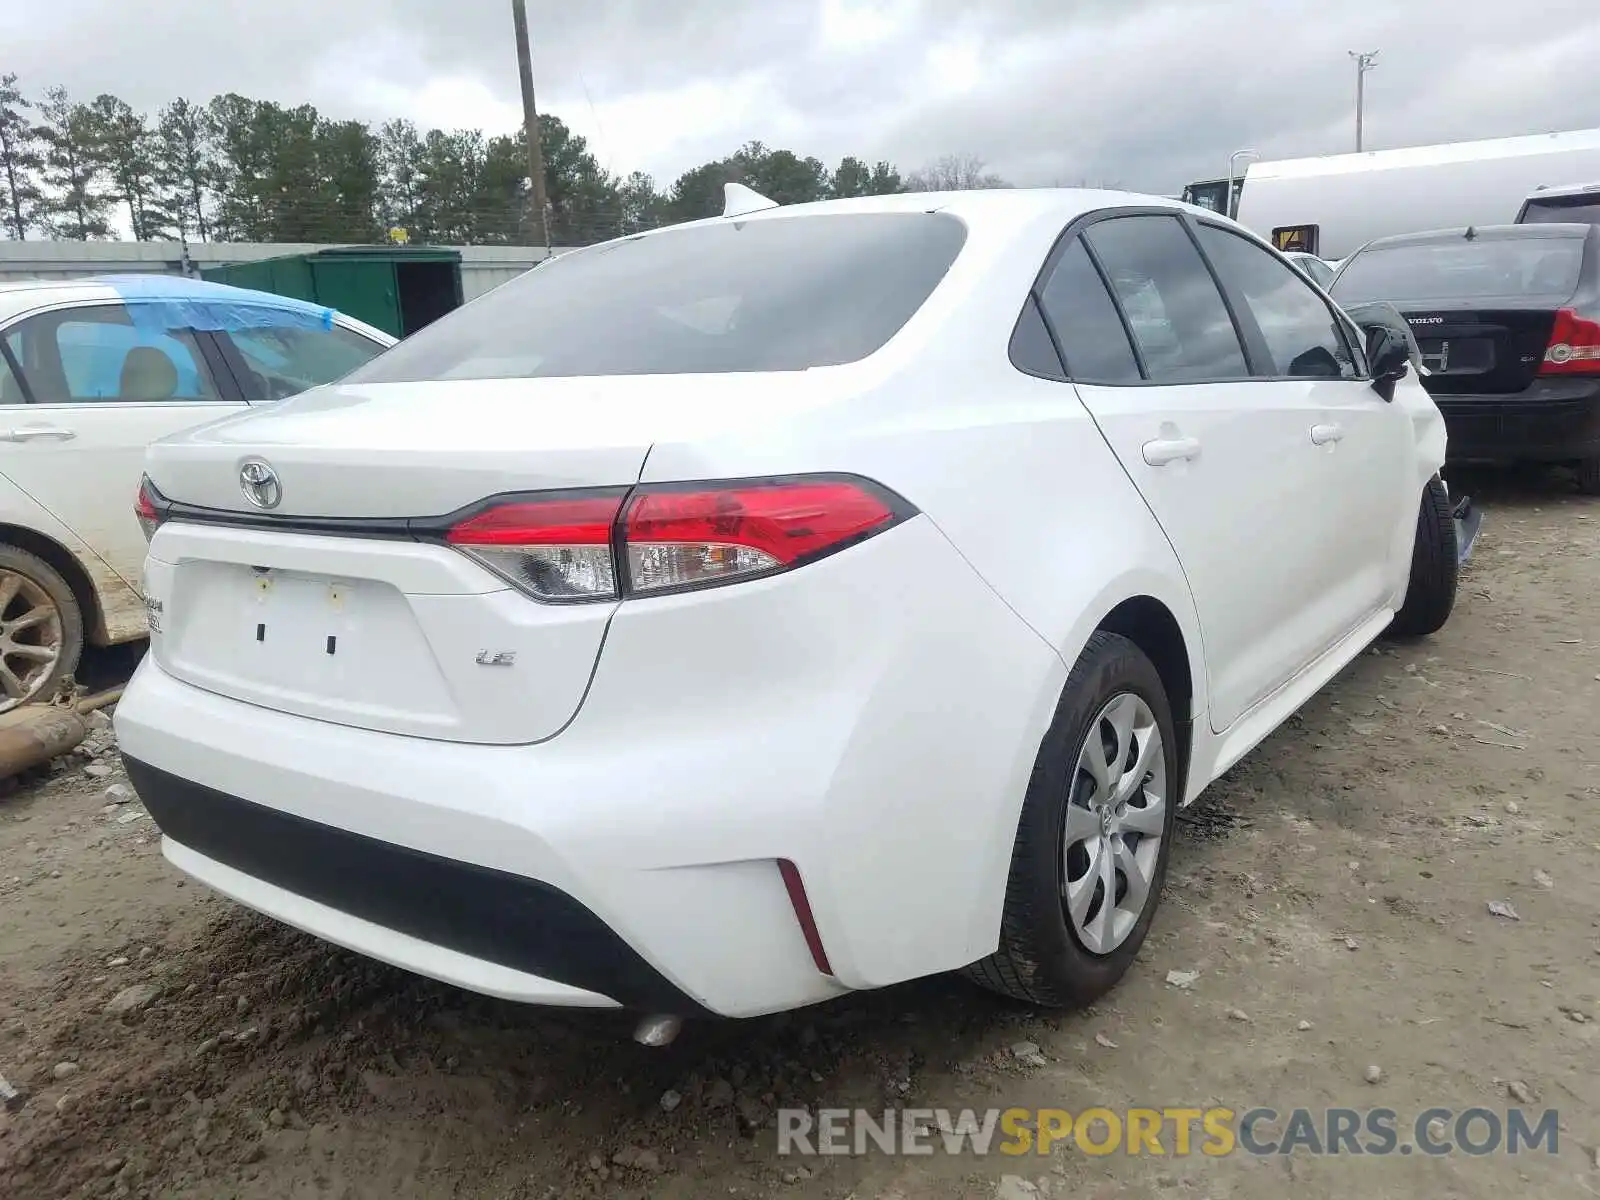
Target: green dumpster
[{"x": 399, "y": 289}]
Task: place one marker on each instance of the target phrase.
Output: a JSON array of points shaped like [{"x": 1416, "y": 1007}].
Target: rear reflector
[
  {"x": 654, "y": 540},
  {"x": 801, "y": 903},
  {"x": 1574, "y": 347}
]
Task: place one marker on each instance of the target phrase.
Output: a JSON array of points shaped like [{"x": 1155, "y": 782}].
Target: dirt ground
[{"x": 1332, "y": 893}]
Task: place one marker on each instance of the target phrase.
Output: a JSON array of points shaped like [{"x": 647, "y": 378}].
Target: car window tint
[
  {"x": 784, "y": 293},
  {"x": 1301, "y": 332},
  {"x": 1536, "y": 264},
  {"x": 1178, "y": 316},
  {"x": 90, "y": 355},
  {"x": 281, "y": 362},
  {"x": 1093, "y": 339},
  {"x": 1031, "y": 348}
]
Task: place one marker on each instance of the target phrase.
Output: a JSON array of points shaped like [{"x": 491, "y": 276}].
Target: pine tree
[
  {"x": 128, "y": 148},
  {"x": 184, "y": 166},
  {"x": 73, "y": 169},
  {"x": 21, "y": 199}
]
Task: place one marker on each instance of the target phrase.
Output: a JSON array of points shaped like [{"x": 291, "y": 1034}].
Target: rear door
[
  {"x": 99, "y": 391},
  {"x": 1224, "y": 459},
  {"x": 1364, "y": 462}
]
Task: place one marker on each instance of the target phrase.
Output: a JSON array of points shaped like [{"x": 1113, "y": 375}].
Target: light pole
[
  {"x": 1364, "y": 63},
  {"x": 1229, "y": 208}
]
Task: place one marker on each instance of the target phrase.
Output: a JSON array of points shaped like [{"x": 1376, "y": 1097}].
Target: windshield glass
[
  {"x": 1461, "y": 270},
  {"x": 775, "y": 294},
  {"x": 1557, "y": 209}
]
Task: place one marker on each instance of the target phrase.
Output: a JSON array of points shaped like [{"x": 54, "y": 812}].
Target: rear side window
[
  {"x": 1080, "y": 310},
  {"x": 1540, "y": 266},
  {"x": 774, "y": 294},
  {"x": 1177, "y": 315},
  {"x": 1302, "y": 336}
]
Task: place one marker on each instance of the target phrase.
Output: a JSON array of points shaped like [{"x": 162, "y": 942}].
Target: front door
[{"x": 1364, "y": 478}]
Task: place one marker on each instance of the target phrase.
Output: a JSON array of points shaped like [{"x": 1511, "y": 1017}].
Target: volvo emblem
[{"x": 259, "y": 483}]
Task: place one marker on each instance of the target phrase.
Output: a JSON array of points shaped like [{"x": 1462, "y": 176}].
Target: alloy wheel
[
  {"x": 1115, "y": 822},
  {"x": 30, "y": 638}
]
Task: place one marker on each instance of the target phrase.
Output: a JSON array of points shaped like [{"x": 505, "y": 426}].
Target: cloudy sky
[{"x": 1141, "y": 93}]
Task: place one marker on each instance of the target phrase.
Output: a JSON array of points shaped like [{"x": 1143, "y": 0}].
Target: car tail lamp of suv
[
  {"x": 1574, "y": 347},
  {"x": 655, "y": 540}
]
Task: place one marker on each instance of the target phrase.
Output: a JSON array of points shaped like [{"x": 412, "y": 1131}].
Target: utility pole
[
  {"x": 1364, "y": 63},
  {"x": 538, "y": 217}
]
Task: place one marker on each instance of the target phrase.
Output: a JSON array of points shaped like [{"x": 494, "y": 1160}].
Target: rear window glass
[
  {"x": 281, "y": 361},
  {"x": 1527, "y": 266},
  {"x": 1584, "y": 209},
  {"x": 778, "y": 294}
]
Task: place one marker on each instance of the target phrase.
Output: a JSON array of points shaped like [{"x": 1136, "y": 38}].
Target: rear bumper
[
  {"x": 1556, "y": 422},
  {"x": 309, "y": 874},
  {"x": 876, "y": 732}
]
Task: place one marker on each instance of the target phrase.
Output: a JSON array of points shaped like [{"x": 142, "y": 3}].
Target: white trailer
[{"x": 1332, "y": 205}]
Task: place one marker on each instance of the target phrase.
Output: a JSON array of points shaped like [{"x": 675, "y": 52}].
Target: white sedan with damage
[{"x": 724, "y": 618}]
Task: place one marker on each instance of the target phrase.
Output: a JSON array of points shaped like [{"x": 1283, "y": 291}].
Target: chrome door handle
[
  {"x": 1164, "y": 450},
  {"x": 1321, "y": 435},
  {"x": 38, "y": 433}
]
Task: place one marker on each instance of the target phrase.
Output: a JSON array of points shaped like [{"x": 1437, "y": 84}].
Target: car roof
[
  {"x": 1555, "y": 230},
  {"x": 1562, "y": 190},
  {"x": 18, "y": 296},
  {"x": 993, "y": 205}
]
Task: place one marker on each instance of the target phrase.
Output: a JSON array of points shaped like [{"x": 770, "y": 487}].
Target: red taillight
[
  {"x": 146, "y": 508},
  {"x": 673, "y": 538},
  {"x": 555, "y": 549},
  {"x": 685, "y": 538},
  {"x": 1574, "y": 347}
]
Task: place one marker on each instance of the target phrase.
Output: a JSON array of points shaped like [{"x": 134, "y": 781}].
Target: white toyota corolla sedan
[{"x": 724, "y": 618}]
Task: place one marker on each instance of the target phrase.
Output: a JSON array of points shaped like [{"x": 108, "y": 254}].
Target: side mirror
[
  {"x": 1391, "y": 350},
  {"x": 1390, "y": 357}
]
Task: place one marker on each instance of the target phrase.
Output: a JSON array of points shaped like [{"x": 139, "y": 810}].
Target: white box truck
[{"x": 1332, "y": 205}]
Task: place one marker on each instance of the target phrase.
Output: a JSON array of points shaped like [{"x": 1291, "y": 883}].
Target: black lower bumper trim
[
  {"x": 478, "y": 911},
  {"x": 1521, "y": 430}
]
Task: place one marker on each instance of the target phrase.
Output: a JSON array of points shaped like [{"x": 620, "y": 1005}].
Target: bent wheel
[{"x": 1092, "y": 843}]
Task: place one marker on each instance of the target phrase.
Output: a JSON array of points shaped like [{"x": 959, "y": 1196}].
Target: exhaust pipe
[{"x": 657, "y": 1030}]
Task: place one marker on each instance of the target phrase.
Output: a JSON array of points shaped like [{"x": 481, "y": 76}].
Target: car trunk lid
[
  {"x": 342, "y": 603},
  {"x": 1470, "y": 350}
]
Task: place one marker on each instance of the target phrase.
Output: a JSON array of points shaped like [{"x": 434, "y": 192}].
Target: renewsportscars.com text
[{"x": 1167, "y": 1132}]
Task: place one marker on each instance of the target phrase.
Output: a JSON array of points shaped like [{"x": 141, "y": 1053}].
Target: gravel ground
[{"x": 1332, "y": 894}]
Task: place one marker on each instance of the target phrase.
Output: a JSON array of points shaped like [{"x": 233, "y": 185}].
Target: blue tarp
[{"x": 157, "y": 303}]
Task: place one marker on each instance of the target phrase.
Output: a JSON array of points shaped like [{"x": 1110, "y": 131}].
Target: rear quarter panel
[{"x": 1011, "y": 470}]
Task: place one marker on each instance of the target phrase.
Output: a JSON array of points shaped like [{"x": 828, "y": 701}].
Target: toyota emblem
[{"x": 259, "y": 483}]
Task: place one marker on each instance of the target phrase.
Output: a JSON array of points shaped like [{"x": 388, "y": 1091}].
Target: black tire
[
  {"x": 1589, "y": 477},
  {"x": 69, "y": 649},
  {"x": 1040, "y": 959},
  {"x": 1435, "y": 567}
]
